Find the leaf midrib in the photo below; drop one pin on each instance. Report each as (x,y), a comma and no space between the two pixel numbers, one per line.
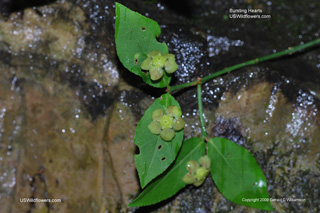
(222,156)
(178,165)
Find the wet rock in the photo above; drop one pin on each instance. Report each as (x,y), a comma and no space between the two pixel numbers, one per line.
(55,41)
(56,151)
(68,109)
(57,100)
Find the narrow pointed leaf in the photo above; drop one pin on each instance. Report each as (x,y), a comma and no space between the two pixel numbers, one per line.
(170,182)
(237,174)
(135,37)
(155,155)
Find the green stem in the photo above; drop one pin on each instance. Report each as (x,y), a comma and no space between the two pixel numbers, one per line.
(289,51)
(203,127)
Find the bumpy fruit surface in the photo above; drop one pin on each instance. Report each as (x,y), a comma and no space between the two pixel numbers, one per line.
(174,111)
(201,173)
(192,166)
(166,122)
(205,161)
(171,66)
(154,127)
(153,53)
(189,179)
(178,124)
(196,173)
(167,134)
(146,64)
(155,73)
(157,114)
(158,63)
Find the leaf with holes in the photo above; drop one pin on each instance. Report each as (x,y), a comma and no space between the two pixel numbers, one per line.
(155,154)
(135,37)
(170,182)
(237,174)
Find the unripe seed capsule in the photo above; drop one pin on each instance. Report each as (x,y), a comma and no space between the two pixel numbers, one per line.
(154,53)
(188,179)
(167,134)
(159,61)
(201,173)
(166,122)
(192,166)
(168,55)
(171,66)
(198,183)
(205,161)
(146,64)
(154,127)
(155,73)
(178,124)
(174,111)
(157,114)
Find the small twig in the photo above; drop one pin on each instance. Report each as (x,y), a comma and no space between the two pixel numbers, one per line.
(289,51)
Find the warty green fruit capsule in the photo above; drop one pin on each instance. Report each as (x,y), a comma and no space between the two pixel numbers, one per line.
(174,111)
(155,73)
(192,166)
(157,114)
(159,61)
(154,127)
(167,134)
(168,55)
(178,124)
(171,66)
(201,173)
(146,64)
(189,178)
(166,122)
(153,53)
(205,161)
(198,183)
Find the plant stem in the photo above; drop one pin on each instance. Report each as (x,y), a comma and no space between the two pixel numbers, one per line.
(289,51)
(203,127)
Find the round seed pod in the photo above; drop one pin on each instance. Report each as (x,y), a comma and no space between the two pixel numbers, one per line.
(168,55)
(159,61)
(155,73)
(201,173)
(153,53)
(157,114)
(146,64)
(192,166)
(167,134)
(166,122)
(188,178)
(171,66)
(154,127)
(174,111)
(198,183)
(205,161)
(178,124)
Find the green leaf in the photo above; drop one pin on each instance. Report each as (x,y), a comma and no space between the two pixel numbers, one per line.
(237,174)
(135,37)
(155,154)
(170,182)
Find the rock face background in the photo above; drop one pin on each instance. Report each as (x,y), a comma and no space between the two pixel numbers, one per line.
(68,109)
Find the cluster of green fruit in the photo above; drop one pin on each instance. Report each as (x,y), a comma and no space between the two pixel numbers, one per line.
(196,173)
(158,63)
(166,123)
